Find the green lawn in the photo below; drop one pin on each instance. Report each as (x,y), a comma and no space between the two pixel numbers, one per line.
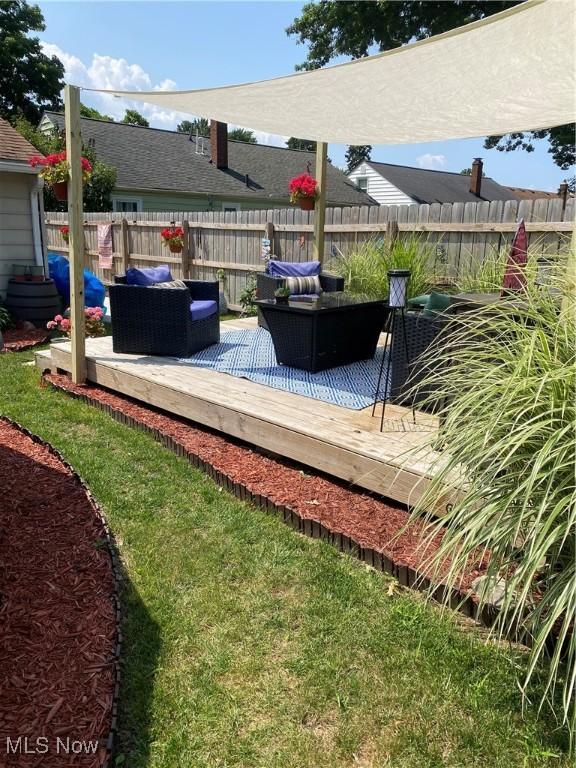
(247,645)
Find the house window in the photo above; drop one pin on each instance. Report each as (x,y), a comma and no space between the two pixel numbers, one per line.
(126,204)
(362,183)
(230,207)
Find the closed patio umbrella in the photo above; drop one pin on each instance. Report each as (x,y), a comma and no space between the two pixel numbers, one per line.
(515,275)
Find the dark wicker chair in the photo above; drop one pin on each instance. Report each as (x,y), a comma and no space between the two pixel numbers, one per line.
(266,285)
(157,321)
(422,334)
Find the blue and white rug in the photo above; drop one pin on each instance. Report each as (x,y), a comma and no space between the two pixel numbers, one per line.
(249,354)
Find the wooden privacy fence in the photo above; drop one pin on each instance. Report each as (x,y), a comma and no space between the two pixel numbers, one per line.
(459,233)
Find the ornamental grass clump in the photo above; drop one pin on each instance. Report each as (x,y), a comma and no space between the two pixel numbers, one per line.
(365,267)
(508,375)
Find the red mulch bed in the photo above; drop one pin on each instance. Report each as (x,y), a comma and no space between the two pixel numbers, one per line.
(58,632)
(371,522)
(17,340)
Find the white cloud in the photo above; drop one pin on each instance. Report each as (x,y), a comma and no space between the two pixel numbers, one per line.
(118,75)
(432,162)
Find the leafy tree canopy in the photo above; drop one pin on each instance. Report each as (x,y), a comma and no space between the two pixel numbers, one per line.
(97,193)
(360,27)
(94,114)
(332,28)
(242,134)
(30,81)
(200,124)
(468,172)
(306,144)
(356,154)
(561,139)
(133,117)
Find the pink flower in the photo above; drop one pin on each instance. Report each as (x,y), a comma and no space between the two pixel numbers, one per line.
(58,319)
(65,324)
(51,325)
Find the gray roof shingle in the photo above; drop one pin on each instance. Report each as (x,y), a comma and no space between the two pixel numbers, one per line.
(427,186)
(152,158)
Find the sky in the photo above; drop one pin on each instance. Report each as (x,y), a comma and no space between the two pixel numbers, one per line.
(186,45)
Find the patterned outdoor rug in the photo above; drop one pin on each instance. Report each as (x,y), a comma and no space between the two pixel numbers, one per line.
(250,355)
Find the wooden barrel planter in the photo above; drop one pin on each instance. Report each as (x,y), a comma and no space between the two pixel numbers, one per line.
(36,302)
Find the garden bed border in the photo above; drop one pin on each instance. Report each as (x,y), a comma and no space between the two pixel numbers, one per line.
(116,576)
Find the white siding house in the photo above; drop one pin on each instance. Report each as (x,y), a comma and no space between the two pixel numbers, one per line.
(21,208)
(390,184)
(379,188)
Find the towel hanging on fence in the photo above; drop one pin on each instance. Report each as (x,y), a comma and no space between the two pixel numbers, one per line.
(105,246)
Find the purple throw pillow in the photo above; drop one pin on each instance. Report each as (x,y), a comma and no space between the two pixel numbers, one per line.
(148,275)
(293,268)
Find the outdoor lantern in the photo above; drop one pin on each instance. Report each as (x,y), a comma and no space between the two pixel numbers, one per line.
(398,280)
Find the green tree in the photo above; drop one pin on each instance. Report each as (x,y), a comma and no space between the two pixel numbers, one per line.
(330,29)
(186,126)
(561,140)
(93,114)
(305,144)
(97,193)
(133,117)
(242,134)
(200,125)
(30,81)
(468,172)
(356,154)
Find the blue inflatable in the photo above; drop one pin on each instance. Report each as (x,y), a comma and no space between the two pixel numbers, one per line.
(59,271)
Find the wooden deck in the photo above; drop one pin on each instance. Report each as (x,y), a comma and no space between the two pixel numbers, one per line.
(341,442)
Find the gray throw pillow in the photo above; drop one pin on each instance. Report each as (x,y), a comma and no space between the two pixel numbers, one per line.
(170,284)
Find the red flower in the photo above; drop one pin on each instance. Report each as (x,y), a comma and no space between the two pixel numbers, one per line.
(303,186)
(172,233)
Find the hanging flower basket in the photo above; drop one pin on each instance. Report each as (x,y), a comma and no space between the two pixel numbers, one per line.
(307,203)
(173,237)
(56,172)
(60,189)
(65,232)
(303,191)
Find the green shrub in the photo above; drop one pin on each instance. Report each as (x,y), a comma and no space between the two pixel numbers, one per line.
(6,321)
(509,429)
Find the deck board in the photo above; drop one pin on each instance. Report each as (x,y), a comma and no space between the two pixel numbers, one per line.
(345,443)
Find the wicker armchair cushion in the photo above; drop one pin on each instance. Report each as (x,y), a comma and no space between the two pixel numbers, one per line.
(148,275)
(300,285)
(202,309)
(293,268)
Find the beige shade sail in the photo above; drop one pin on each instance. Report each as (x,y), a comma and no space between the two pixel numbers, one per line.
(513,71)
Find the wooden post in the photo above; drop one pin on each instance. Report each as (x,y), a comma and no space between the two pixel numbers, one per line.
(124,252)
(320,209)
(75,219)
(269,233)
(391,233)
(186,251)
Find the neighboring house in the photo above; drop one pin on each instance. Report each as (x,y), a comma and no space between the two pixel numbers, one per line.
(402,185)
(21,214)
(521,193)
(160,170)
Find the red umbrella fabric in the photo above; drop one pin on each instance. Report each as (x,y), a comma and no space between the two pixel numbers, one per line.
(515,275)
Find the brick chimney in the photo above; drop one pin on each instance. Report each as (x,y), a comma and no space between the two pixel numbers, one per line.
(476,176)
(219,144)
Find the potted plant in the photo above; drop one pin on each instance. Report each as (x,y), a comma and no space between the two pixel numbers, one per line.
(173,237)
(282,294)
(92,319)
(56,172)
(65,232)
(304,191)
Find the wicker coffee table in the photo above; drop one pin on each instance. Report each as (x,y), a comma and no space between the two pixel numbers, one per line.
(315,334)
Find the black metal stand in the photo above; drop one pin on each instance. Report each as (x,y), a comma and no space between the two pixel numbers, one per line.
(389,328)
